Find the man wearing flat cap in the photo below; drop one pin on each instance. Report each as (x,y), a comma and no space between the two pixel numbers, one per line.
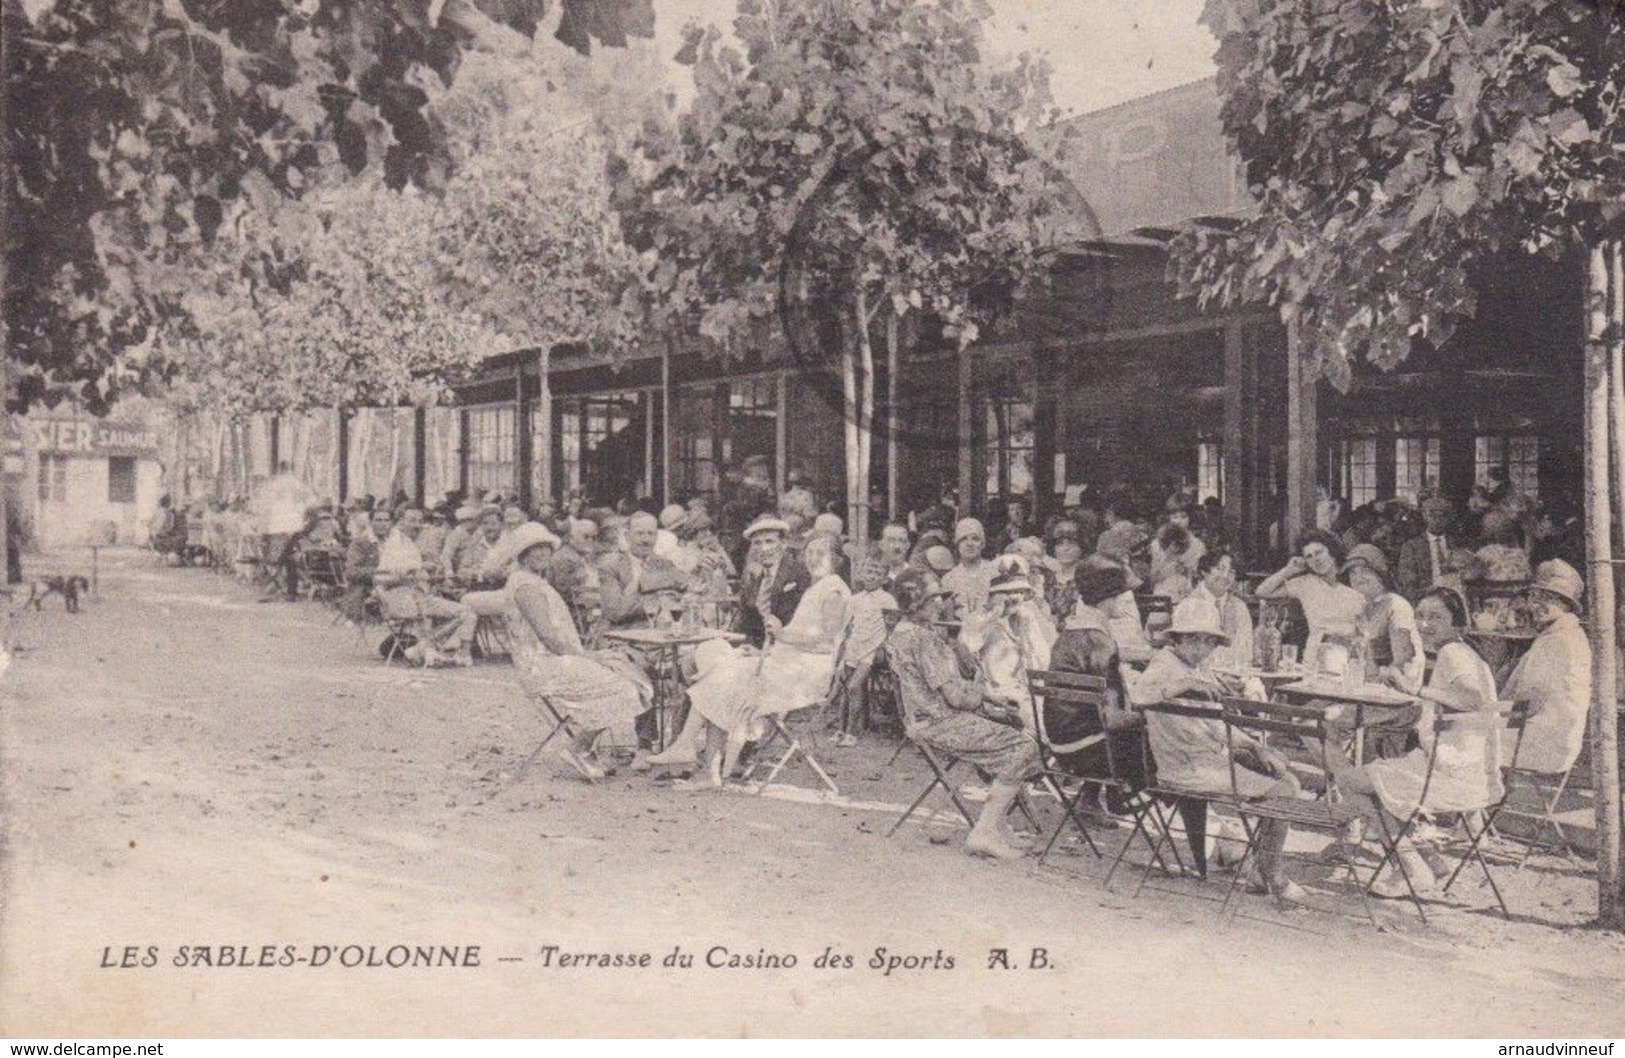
(773,583)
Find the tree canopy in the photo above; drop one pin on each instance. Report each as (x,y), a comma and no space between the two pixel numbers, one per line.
(137,128)
(1393,146)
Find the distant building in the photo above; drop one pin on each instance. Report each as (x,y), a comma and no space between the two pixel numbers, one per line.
(86,480)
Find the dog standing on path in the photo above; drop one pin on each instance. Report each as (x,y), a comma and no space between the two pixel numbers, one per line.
(68,587)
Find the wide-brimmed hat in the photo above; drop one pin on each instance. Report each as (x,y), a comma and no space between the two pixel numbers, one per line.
(1096,581)
(522,539)
(939,558)
(1010,575)
(913,588)
(1198,615)
(1561,579)
(672,515)
(767,524)
(467,512)
(1369,556)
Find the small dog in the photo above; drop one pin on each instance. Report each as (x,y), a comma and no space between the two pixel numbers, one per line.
(68,587)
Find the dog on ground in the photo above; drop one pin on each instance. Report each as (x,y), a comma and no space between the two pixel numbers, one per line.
(68,587)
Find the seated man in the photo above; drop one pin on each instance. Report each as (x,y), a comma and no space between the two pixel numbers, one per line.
(482,569)
(942,709)
(361,563)
(621,573)
(403,586)
(466,528)
(773,583)
(1193,754)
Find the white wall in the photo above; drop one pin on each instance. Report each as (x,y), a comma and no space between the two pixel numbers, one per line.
(74,522)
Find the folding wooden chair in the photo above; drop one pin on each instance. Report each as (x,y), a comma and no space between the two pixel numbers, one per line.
(942,764)
(779,731)
(558,724)
(321,573)
(1087,694)
(1536,796)
(1516,717)
(1159,806)
(1248,721)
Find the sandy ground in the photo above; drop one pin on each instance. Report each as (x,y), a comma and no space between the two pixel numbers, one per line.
(185,769)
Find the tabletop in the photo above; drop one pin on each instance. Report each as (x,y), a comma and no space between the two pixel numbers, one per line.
(1332,689)
(1295,673)
(671,637)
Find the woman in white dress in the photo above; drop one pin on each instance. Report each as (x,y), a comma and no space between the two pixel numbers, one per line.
(1466,767)
(596,693)
(736,688)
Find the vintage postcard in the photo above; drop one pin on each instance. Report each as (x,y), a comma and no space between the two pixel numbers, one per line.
(817,518)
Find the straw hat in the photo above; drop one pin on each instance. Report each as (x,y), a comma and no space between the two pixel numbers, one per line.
(522,539)
(1198,615)
(1561,579)
(767,524)
(672,515)
(1010,575)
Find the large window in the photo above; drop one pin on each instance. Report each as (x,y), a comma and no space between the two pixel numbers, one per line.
(1011,443)
(1416,466)
(1517,454)
(603,445)
(493,448)
(1360,471)
(120,479)
(53,478)
(694,433)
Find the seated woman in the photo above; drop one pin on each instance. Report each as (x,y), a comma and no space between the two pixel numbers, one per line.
(736,687)
(1393,646)
(1310,577)
(1466,773)
(1195,754)
(1086,648)
(1012,638)
(1554,674)
(1106,601)
(1217,584)
(596,693)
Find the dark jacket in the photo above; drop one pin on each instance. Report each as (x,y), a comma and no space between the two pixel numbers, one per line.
(791,580)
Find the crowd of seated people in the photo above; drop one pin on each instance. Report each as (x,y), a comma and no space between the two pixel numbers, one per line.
(959,625)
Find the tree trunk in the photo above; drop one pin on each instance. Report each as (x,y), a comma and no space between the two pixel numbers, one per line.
(364,427)
(1600,573)
(849,422)
(866,421)
(893,325)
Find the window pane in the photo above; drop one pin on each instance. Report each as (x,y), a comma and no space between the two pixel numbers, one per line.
(1360,471)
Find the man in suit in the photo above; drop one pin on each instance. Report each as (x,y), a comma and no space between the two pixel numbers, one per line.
(1425,558)
(622,575)
(773,583)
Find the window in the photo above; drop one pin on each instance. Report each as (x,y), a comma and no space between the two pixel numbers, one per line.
(1416,466)
(1209,471)
(53,478)
(1517,454)
(601,445)
(1011,440)
(492,448)
(1360,471)
(120,479)
(693,428)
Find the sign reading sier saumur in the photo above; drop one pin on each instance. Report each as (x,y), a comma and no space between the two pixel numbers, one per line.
(89,437)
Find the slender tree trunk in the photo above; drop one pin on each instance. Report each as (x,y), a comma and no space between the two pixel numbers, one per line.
(858,525)
(217,460)
(849,422)
(364,421)
(1603,325)
(893,325)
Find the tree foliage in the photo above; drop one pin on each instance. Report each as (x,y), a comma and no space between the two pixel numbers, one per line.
(1392,145)
(138,128)
(356,294)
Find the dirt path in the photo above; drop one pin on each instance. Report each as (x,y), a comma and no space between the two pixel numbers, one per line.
(186,768)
